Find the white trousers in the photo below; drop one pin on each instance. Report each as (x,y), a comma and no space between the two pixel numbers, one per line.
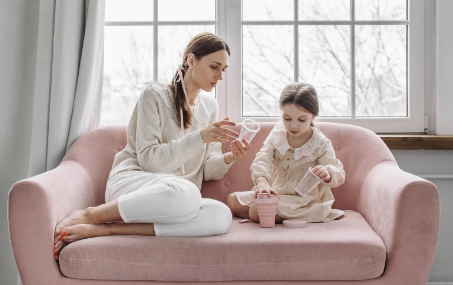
(173,204)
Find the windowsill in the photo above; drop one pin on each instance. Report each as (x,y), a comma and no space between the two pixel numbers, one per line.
(417,142)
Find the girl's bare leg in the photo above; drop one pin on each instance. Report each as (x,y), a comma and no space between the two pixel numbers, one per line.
(237,208)
(245,212)
(82,231)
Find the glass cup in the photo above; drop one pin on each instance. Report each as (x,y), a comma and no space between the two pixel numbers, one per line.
(249,130)
(307,183)
(267,209)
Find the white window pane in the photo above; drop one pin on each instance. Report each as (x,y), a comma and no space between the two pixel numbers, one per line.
(324,62)
(324,10)
(267,10)
(381,10)
(131,10)
(172,43)
(183,10)
(381,59)
(128,66)
(268,66)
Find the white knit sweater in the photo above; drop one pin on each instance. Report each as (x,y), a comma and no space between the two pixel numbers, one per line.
(155,143)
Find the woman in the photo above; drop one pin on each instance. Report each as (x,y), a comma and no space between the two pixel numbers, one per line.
(173,144)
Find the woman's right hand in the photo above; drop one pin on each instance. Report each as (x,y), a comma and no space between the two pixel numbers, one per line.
(216,133)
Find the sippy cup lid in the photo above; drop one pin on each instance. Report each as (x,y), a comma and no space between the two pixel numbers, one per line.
(296,223)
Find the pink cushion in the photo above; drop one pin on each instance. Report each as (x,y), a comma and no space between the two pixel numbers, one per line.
(346,249)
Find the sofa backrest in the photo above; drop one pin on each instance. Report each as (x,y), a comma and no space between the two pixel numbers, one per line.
(357,148)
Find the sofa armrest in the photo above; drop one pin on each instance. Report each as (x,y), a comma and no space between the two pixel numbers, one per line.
(404,210)
(35,207)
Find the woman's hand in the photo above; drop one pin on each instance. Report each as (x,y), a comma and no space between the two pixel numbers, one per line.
(322,173)
(216,133)
(239,149)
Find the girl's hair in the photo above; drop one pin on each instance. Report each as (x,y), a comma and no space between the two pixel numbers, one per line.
(301,94)
(200,45)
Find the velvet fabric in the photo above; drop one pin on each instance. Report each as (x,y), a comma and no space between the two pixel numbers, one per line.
(388,235)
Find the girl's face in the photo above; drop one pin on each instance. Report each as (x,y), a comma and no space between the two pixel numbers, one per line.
(296,119)
(207,71)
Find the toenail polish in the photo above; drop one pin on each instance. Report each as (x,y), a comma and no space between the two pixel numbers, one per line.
(55,252)
(64,233)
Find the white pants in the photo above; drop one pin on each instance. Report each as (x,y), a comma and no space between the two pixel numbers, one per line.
(173,204)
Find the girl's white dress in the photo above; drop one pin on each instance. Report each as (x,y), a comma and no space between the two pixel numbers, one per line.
(284,166)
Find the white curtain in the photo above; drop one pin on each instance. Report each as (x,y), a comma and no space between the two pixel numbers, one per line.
(51,70)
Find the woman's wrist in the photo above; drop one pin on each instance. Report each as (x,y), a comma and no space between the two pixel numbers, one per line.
(228,158)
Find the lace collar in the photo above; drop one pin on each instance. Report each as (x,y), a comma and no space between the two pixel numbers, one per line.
(282,145)
(201,112)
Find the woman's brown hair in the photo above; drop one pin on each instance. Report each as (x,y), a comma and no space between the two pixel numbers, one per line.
(301,94)
(200,45)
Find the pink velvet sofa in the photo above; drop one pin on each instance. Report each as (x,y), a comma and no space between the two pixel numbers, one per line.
(388,235)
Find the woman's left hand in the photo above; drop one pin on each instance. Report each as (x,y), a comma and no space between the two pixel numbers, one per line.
(322,173)
(239,149)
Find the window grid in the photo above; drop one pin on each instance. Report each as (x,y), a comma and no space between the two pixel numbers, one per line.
(352,23)
(228,24)
(156,23)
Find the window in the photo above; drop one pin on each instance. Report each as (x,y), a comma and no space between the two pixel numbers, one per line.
(364,57)
(144,41)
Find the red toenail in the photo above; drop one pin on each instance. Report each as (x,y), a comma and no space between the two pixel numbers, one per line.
(64,233)
(61,238)
(55,252)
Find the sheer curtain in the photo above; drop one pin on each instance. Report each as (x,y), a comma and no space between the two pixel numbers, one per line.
(51,81)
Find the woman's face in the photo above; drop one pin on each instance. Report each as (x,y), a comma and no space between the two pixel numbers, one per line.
(296,119)
(207,71)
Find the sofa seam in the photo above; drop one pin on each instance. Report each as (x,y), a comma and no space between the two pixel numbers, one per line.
(223,265)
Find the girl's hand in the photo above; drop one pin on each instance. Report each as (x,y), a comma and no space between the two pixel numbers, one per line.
(264,190)
(322,173)
(239,149)
(216,133)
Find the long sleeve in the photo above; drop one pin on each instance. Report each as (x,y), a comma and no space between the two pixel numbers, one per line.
(263,165)
(328,159)
(152,154)
(215,167)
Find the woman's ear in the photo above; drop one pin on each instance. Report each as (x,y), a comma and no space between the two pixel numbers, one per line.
(190,59)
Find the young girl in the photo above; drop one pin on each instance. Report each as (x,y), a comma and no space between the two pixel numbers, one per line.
(293,145)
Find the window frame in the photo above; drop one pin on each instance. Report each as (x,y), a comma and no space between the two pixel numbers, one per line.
(229,93)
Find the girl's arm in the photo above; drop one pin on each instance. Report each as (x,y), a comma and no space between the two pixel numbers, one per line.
(332,164)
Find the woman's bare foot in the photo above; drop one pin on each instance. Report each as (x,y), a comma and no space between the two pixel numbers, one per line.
(74,233)
(58,246)
(76,217)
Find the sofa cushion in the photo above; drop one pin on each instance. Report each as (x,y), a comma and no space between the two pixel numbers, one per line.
(345,249)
